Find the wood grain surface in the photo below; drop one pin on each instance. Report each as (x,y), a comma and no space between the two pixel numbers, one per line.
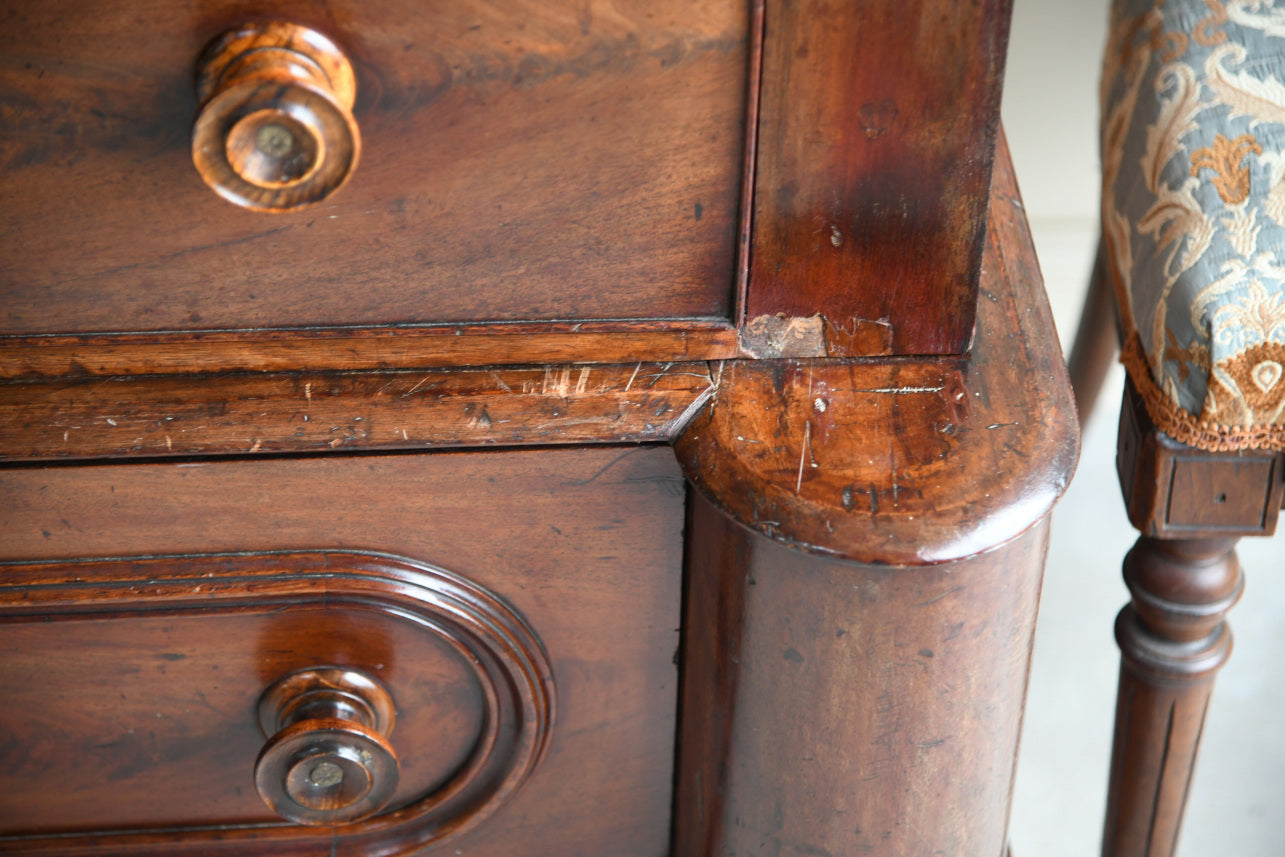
(152,416)
(521,160)
(902,461)
(141,706)
(876,137)
(838,708)
(585,544)
(31,357)
(168,633)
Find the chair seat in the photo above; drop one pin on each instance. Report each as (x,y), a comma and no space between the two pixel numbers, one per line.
(1193,159)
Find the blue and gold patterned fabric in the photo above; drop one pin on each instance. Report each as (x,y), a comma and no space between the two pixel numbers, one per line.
(1193,213)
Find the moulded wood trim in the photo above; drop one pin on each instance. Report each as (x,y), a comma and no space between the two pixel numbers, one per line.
(902,462)
(340,349)
(506,657)
(166,415)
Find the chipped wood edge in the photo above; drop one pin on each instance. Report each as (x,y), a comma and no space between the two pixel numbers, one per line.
(1002,414)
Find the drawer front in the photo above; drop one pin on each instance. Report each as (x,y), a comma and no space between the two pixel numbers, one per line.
(519,160)
(519,610)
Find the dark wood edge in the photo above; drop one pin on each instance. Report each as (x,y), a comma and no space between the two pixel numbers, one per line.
(1096,340)
(902,462)
(170,415)
(753,100)
(877,128)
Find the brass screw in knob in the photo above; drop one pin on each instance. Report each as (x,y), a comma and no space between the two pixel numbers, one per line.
(275,130)
(327,760)
(326,774)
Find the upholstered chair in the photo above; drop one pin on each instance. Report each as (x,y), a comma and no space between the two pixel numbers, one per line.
(1192,262)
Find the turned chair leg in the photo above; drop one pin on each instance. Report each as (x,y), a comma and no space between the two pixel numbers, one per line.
(1173,639)
(1096,341)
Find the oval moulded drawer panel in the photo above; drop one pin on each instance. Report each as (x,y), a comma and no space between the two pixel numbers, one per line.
(529,652)
(518,160)
(134,688)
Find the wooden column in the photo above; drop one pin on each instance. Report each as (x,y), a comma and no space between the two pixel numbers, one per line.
(839,708)
(866,544)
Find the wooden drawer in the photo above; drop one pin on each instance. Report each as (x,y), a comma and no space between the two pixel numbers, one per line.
(520,608)
(520,160)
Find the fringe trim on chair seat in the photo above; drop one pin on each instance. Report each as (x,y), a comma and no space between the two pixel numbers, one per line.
(1185,427)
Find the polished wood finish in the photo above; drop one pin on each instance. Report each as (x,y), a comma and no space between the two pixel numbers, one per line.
(521,161)
(275,131)
(484,695)
(913,676)
(348,412)
(877,131)
(584,550)
(872,542)
(901,462)
(586,544)
(328,760)
(561,214)
(1173,640)
(30,358)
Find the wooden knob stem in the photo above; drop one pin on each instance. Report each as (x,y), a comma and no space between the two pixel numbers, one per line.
(327,760)
(275,130)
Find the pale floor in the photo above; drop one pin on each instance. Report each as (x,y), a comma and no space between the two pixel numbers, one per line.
(1237,805)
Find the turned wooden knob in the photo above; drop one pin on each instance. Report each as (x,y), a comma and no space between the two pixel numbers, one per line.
(327,760)
(275,130)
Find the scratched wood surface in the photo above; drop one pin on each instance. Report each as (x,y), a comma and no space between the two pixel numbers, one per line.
(585,543)
(865,556)
(876,137)
(522,160)
(902,461)
(163,416)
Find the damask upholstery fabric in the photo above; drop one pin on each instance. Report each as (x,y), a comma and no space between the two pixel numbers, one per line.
(1193,213)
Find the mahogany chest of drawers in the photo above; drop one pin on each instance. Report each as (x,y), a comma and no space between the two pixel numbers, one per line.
(513,427)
